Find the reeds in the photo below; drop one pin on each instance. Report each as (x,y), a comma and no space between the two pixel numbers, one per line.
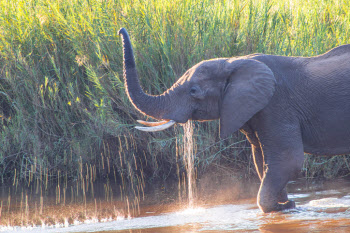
(65,116)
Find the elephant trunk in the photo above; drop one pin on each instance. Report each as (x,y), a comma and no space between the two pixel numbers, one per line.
(154,106)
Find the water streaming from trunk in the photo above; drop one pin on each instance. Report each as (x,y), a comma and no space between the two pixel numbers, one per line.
(188,158)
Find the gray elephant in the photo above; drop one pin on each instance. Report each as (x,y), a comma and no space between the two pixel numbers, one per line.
(284,105)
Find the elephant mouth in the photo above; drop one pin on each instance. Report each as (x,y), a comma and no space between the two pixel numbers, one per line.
(155,126)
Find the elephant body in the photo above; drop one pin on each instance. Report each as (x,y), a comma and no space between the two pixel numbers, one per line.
(284,105)
(309,112)
(314,96)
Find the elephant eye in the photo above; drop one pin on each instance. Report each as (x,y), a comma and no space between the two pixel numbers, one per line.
(196,92)
(193,90)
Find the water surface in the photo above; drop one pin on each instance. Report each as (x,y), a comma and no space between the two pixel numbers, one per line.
(323,208)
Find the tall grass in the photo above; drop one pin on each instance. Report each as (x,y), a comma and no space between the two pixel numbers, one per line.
(65,116)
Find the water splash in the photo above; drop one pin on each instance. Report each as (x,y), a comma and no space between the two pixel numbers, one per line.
(191,211)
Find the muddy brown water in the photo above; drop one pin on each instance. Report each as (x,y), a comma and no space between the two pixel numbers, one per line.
(320,208)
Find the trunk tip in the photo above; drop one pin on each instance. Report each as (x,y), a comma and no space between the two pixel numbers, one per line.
(122,31)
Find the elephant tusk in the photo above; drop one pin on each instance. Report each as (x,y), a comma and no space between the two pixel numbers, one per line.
(156,128)
(152,123)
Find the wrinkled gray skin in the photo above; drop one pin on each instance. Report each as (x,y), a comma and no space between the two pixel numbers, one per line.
(284,105)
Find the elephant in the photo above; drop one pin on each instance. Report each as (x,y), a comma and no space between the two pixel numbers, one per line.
(286,106)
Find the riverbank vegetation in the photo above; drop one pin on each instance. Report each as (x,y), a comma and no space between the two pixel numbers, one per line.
(65,117)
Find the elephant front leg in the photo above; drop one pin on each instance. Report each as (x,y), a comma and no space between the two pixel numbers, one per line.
(259,165)
(272,195)
(282,163)
(283,196)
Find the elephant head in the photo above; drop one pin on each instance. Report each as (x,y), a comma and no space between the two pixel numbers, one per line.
(230,89)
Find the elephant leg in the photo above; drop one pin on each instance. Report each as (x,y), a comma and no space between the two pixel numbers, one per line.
(283,196)
(256,151)
(259,165)
(258,161)
(284,157)
(269,196)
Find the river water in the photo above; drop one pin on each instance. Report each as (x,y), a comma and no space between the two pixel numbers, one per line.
(320,208)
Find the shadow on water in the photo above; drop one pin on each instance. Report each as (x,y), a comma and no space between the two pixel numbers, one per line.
(321,208)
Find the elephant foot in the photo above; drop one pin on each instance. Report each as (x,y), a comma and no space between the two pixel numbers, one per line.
(278,207)
(287,205)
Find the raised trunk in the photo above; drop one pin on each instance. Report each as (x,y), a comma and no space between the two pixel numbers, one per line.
(150,105)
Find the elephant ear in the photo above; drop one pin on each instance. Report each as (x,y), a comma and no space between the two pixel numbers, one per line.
(249,88)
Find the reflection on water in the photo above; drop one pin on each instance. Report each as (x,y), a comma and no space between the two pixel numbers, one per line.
(320,211)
